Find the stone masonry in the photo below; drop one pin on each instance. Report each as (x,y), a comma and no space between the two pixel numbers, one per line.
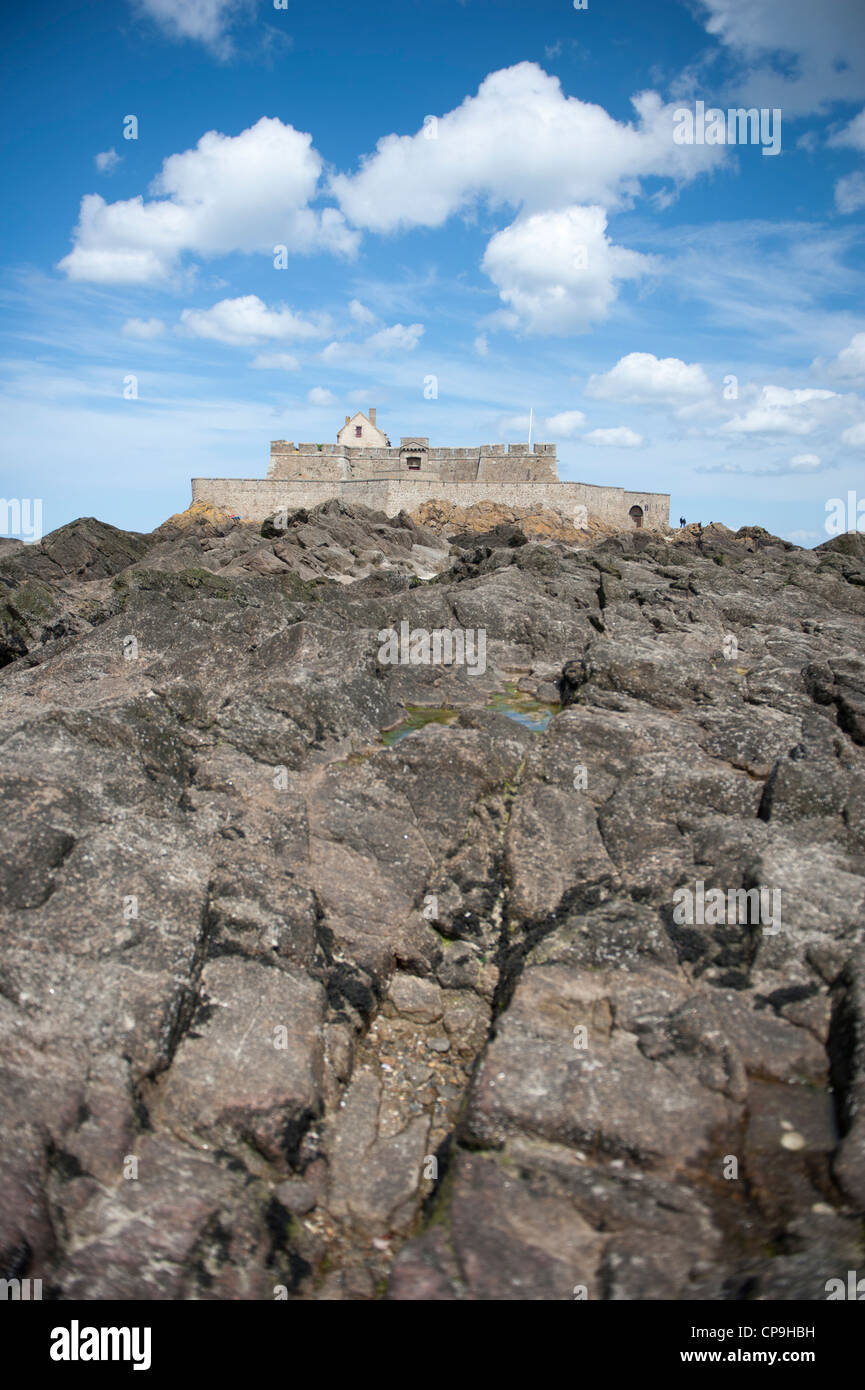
(395,478)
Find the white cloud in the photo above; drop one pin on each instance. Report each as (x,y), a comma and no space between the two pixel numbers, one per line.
(850,192)
(482,346)
(564,425)
(784,397)
(758,421)
(557,271)
(360,313)
(248,320)
(855,435)
(248,193)
(640,376)
(799,465)
(619,436)
(398,337)
(849,365)
(275,361)
(852,135)
(143,328)
(520,142)
(203,21)
(107,161)
(824,40)
(780,410)
(319,395)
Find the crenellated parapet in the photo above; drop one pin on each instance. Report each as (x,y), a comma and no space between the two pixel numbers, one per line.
(505,463)
(363,466)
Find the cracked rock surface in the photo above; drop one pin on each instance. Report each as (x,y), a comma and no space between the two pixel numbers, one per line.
(291,1006)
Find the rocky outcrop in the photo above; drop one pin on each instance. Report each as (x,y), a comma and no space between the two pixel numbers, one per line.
(322,977)
(449,519)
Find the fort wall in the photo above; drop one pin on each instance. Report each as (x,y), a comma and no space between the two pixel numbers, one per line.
(364,467)
(254,499)
(413,458)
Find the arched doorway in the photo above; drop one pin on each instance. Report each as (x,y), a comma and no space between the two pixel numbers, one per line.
(636,515)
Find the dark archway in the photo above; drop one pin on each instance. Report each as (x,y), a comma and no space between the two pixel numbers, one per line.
(636,515)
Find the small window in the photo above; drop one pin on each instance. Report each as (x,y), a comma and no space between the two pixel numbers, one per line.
(358,431)
(413,462)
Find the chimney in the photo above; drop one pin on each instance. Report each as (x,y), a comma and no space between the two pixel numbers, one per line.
(347,418)
(372,415)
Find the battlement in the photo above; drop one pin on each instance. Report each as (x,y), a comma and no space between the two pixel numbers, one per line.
(505,463)
(364,466)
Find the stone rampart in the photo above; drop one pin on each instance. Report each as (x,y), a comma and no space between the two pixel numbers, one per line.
(256,498)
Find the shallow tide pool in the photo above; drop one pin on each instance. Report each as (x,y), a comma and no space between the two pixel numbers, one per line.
(515,704)
(418,718)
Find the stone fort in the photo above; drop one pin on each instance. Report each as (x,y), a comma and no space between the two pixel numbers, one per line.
(363,466)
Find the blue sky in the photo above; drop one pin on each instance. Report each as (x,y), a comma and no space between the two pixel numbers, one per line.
(487,193)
